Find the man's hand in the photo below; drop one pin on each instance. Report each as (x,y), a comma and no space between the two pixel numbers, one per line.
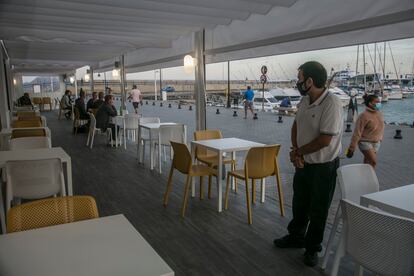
(296,159)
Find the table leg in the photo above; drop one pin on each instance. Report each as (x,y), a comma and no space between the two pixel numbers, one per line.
(159,152)
(233,179)
(116,133)
(69,177)
(151,151)
(139,146)
(192,183)
(220,182)
(263,182)
(2,213)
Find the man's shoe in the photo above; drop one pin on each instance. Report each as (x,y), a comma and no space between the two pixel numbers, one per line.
(289,242)
(311,258)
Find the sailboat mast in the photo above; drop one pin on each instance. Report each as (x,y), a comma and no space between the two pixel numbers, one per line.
(356,67)
(395,67)
(365,75)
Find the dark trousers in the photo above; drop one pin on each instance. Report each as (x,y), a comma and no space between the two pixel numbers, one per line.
(313,189)
(112,127)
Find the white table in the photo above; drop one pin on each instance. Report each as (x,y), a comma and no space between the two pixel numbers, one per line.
(153,129)
(118,120)
(106,246)
(398,201)
(221,146)
(6,133)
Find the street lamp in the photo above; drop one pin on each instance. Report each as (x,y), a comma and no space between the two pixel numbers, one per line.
(87,75)
(115,72)
(189,64)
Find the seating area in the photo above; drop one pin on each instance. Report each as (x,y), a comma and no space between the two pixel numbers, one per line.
(178,137)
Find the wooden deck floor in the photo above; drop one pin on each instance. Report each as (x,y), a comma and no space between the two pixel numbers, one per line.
(205,242)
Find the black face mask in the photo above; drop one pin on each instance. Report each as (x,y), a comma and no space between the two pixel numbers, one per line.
(302,91)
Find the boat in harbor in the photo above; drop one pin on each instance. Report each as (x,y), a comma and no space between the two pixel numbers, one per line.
(341,95)
(394,92)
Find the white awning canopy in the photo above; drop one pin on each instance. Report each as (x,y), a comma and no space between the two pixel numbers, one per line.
(59,36)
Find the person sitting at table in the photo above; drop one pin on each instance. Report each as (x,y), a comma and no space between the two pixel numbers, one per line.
(96,104)
(66,103)
(89,104)
(80,105)
(104,113)
(25,100)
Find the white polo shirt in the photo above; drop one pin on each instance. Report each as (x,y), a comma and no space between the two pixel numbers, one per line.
(324,116)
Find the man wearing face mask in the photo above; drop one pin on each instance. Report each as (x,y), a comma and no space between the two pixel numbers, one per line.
(316,143)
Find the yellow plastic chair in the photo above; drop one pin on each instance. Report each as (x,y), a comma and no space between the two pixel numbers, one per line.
(26,114)
(208,157)
(26,123)
(78,122)
(38,101)
(51,211)
(48,101)
(260,162)
(182,162)
(21,132)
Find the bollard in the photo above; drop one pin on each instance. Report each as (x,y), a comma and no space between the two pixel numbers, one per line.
(280,119)
(169,105)
(412,124)
(398,134)
(142,103)
(153,103)
(179,106)
(255,116)
(348,128)
(218,111)
(234,113)
(146,102)
(160,104)
(190,108)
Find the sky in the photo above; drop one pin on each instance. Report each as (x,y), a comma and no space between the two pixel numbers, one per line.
(285,66)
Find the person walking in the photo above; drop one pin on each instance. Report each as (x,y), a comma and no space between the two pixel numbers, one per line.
(136,97)
(248,101)
(369,130)
(316,143)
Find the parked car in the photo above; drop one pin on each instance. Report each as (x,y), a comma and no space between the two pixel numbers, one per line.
(168,89)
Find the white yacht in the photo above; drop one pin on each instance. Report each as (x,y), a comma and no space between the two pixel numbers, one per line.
(292,93)
(394,92)
(341,95)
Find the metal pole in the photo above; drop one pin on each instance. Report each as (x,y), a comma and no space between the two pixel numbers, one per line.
(228,84)
(263,97)
(91,80)
(161,84)
(356,67)
(200,84)
(51,84)
(76,86)
(155,85)
(122,75)
(105,82)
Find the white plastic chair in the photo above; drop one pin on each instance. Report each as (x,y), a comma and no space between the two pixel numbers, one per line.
(34,179)
(93,130)
(354,180)
(377,241)
(145,136)
(30,143)
(167,133)
(131,125)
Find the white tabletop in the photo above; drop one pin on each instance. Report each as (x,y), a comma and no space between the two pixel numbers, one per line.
(156,125)
(398,201)
(227,144)
(106,246)
(33,154)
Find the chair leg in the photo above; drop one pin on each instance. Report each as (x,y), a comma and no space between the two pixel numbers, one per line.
(87,141)
(93,136)
(279,190)
(331,238)
(186,189)
(201,188)
(226,201)
(263,190)
(340,252)
(249,208)
(233,167)
(209,186)
(253,191)
(169,185)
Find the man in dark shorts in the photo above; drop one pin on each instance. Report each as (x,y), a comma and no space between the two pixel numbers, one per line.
(248,101)
(136,96)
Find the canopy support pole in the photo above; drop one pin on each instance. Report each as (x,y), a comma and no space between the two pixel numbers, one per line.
(122,76)
(228,84)
(200,84)
(91,80)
